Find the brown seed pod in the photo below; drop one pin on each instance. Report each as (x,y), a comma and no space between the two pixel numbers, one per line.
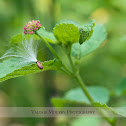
(39,64)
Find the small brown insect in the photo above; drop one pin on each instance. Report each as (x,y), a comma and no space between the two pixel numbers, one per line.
(39,64)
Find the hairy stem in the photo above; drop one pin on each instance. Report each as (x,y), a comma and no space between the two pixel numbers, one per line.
(55,54)
(83,87)
(70,59)
(77,77)
(66,72)
(48,45)
(69,56)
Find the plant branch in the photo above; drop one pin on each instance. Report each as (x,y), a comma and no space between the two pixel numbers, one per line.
(70,59)
(68,53)
(83,87)
(54,52)
(76,75)
(48,45)
(66,72)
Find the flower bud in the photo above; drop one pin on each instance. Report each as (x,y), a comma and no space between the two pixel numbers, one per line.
(32,26)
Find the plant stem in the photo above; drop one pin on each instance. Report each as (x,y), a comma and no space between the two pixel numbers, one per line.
(69,56)
(83,87)
(48,45)
(54,52)
(66,72)
(77,77)
(70,59)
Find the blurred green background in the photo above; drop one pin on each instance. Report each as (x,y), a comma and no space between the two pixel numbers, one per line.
(106,66)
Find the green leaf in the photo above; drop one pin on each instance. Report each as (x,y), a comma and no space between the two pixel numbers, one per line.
(120,110)
(99,94)
(62,102)
(97,38)
(108,111)
(48,36)
(17,39)
(70,22)
(90,25)
(86,121)
(76,97)
(121,88)
(83,35)
(15,67)
(98,104)
(86,31)
(66,32)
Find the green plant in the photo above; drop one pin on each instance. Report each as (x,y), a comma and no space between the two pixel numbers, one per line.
(76,40)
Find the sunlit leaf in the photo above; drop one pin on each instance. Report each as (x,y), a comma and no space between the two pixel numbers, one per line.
(66,32)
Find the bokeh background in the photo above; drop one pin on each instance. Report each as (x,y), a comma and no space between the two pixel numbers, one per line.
(106,66)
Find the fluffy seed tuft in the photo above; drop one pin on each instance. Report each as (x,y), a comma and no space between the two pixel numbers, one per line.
(27,50)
